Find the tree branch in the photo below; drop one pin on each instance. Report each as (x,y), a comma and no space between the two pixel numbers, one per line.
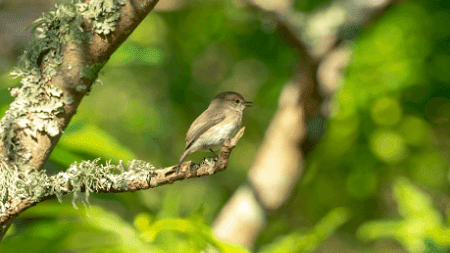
(88,177)
(70,46)
(371,17)
(279,160)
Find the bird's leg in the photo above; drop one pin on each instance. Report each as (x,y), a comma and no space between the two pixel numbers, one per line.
(215,157)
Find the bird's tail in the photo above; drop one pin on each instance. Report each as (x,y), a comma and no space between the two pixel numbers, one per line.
(183,156)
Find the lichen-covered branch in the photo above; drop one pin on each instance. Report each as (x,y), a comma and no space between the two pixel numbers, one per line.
(32,187)
(69,46)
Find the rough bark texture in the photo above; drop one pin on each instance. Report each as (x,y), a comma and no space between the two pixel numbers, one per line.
(76,56)
(68,78)
(153,178)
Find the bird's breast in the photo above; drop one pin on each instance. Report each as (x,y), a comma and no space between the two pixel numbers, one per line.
(216,135)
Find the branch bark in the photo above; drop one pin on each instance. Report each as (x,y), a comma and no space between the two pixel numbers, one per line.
(25,139)
(278,164)
(139,178)
(76,56)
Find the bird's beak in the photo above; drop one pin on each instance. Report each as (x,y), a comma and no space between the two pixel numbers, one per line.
(248,104)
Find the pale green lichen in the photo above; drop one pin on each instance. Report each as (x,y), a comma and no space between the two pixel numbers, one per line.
(81,88)
(90,175)
(91,71)
(53,60)
(103,14)
(63,24)
(37,104)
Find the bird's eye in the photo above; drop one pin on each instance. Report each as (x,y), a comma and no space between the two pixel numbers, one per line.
(237,101)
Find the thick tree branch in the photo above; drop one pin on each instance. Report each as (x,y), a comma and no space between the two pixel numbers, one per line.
(278,163)
(306,72)
(71,44)
(371,17)
(64,73)
(92,177)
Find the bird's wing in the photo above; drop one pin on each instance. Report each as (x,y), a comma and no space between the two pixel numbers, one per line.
(209,118)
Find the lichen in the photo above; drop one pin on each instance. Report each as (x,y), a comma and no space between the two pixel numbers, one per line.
(37,104)
(88,175)
(103,14)
(91,71)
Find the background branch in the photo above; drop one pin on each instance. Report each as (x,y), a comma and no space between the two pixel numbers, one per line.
(367,95)
(278,164)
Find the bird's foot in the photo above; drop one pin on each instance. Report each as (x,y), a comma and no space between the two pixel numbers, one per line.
(213,152)
(210,159)
(213,158)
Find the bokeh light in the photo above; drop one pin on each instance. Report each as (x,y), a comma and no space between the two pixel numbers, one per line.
(388,146)
(376,181)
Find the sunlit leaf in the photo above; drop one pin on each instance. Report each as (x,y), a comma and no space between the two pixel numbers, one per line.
(95,142)
(300,242)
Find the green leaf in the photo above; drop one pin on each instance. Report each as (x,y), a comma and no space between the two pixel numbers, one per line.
(197,232)
(299,242)
(127,238)
(64,156)
(95,142)
(420,220)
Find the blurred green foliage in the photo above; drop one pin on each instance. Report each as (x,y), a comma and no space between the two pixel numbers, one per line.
(421,221)
(387,137)
(199,235)
(308,242)
(388,121)
(310,5)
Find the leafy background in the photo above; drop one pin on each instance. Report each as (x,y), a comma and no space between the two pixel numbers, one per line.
(378,180)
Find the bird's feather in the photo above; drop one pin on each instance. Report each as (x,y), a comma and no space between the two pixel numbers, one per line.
(211,118)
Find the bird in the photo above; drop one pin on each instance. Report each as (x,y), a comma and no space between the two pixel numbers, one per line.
(220,120)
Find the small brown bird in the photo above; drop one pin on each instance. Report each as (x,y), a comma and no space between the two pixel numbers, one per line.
(221,120)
